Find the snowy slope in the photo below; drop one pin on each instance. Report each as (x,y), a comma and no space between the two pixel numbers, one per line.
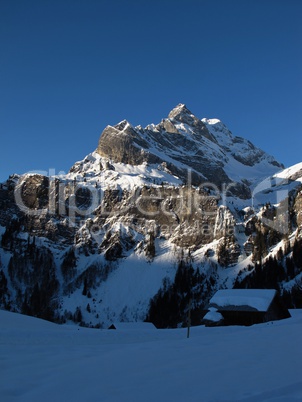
(119,175)
(243,159)
(276,187)
(43,361)
(126,293)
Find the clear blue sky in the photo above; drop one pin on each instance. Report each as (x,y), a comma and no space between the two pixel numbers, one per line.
(70,67)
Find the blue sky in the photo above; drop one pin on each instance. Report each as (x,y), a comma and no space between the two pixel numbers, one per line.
(69,68)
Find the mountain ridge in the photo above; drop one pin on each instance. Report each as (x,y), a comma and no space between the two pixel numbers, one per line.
(185,142)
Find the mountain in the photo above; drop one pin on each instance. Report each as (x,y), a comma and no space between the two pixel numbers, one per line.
(152,218)
(181,142)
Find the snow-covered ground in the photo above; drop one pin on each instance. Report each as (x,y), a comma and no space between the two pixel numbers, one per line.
(41,361)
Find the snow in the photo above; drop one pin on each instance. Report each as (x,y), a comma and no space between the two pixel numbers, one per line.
(276,188)
(260,299)
(124,176)
(48,362)
(242,147)
(211,121)
(133,326)
(213,315)
(292,170)
(125,294)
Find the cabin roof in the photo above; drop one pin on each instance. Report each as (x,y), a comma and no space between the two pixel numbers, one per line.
(243,299)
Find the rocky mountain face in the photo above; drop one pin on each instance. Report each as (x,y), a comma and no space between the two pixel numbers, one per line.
(153,218)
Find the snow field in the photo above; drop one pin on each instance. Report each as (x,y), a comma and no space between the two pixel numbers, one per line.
(45,361)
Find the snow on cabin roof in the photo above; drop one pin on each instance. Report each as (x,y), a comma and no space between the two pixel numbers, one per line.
(228,299)
(132,326)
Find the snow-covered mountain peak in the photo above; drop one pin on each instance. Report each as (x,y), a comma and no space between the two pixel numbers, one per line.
(179,111)
(122,125)
(183,142)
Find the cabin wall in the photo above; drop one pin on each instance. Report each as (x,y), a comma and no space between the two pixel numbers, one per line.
(276,311)
(242,317)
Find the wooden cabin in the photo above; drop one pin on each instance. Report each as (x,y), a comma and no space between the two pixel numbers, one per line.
(244,307)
